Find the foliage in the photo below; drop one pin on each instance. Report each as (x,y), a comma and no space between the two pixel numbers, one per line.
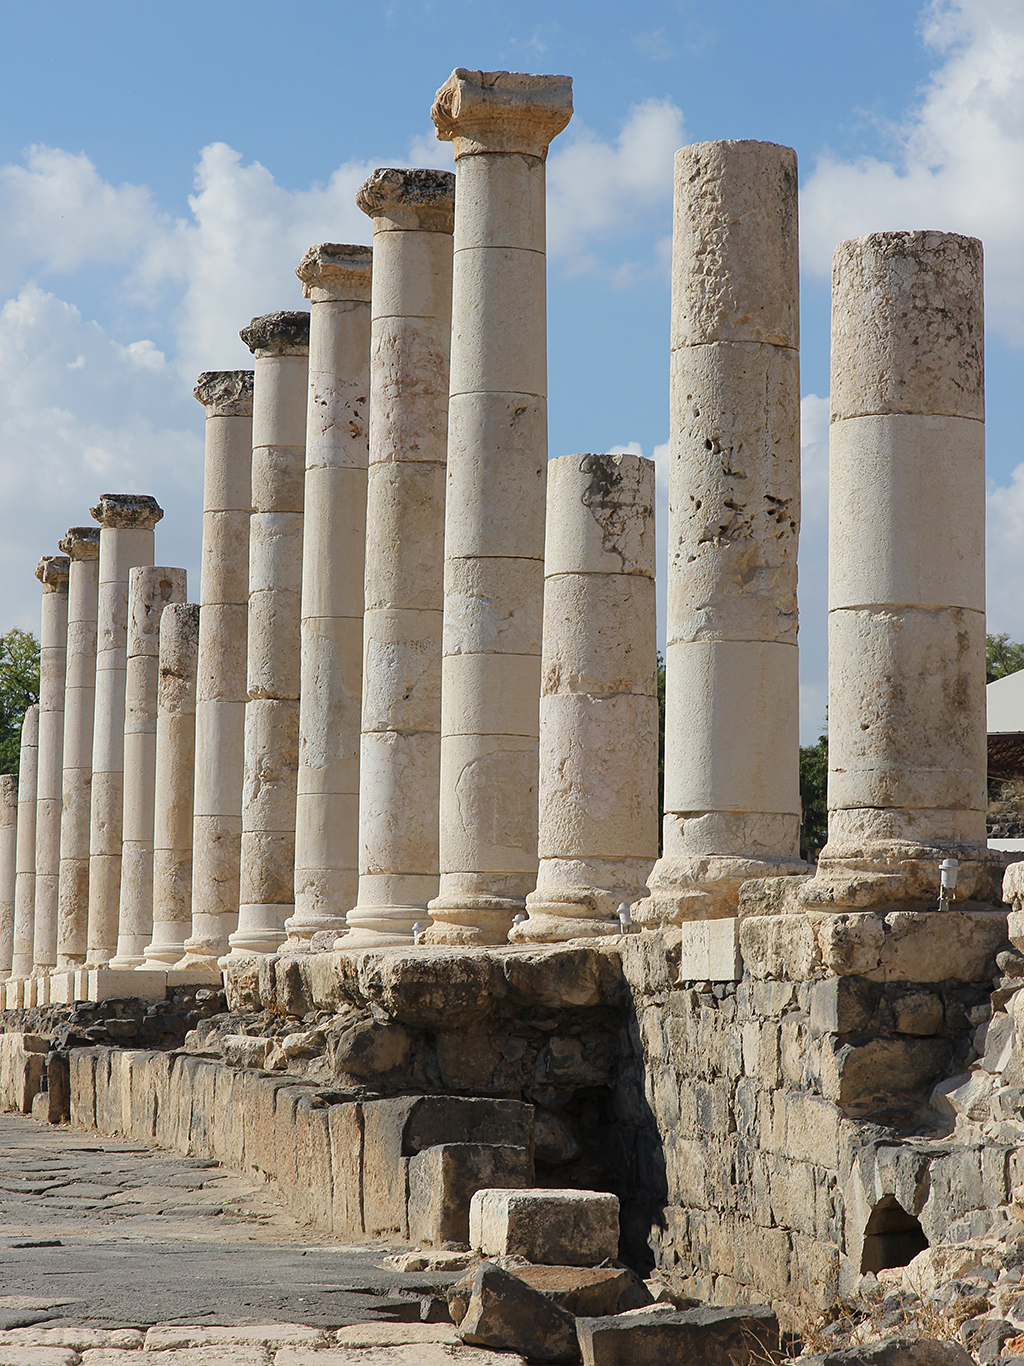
(1002,656)
(19,689)
(813,795)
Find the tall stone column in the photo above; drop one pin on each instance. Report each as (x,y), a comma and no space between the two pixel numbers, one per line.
(400,753)
(175,778)
(500,124)
(52,573)
(23,936)
(82,546)
(732,798)
(906,720)
(126,541)
(151,588)
(336,279)
(221,692)
(599,704)
(280,343)
(8,868)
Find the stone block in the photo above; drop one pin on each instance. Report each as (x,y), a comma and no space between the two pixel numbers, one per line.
(62,988)
(285,1139)
(507,1314)
(345,1125)
(82,1067)
(994,1041)
(587,1291)
(14,993)
(882,1073)
(115,984)
(710,951)
(843,1005)
(551,1227)
(894,1352)
(318,1170)
(22,1065)
(729,1336)
(444,1178)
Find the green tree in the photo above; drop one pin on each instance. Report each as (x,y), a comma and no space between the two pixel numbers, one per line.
(1002,656)
(19,688)
(813,795)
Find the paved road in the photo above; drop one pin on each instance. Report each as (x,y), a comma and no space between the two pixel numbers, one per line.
(105,1233)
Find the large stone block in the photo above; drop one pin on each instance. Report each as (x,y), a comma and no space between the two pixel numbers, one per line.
(552,1227)
(506,1313)
(730,1336)
(345,1124)
(884,1073)
(444,1178)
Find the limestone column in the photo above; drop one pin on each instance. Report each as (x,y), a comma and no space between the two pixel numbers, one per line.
(150,589)
(280,343)
(82,546)
(52,573)
(906,721)
(336,279)
(175,778)
(500,124)
(126,541)
(732,799)
(400,753)
(23,935)
(221,691)
(599,705)
(8,868)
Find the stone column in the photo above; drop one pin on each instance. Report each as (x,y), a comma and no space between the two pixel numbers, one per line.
(150,589)
(501,124)
(906,720)
(82,545)
(175,777)
(732,798)
(52,573)
(25,861)
(280,343)
(126,541)
(599,703)
(337,281)
(8,868)
(221,691)
(400,753)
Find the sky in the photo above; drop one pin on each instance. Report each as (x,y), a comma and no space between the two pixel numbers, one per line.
(163,167)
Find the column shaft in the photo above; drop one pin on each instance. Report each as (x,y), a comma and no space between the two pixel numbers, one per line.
(82,545)
(221,692)
(599,707)
(8,868)
(907,723)
(500,124)
(23,935)
(175,778)
(337,281)
(52,572)
(126,541)
(280,343)
(151,588)
(732,799)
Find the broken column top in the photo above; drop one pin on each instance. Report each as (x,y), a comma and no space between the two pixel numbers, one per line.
(501,111)
(81,542)
(52,572)
(179,652)
(419,200)
(908,325)
(150,588)
(336,270)
(278,334)
(225,393)
(137,511)
(9,797)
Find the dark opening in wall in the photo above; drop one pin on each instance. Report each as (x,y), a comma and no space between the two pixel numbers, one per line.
(892,1238)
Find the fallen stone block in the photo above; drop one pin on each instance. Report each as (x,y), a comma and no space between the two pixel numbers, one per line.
(551,1227)
(438,1260)
(732,1336)
(895,1352)
(508,1315)
(588,1292)
(443,1180)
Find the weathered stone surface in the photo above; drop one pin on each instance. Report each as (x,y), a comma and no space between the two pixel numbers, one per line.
(713,1336)
(553,1227)
(902,1351)
(444,1178)
(505,1313)
(589,1292)
(280,333)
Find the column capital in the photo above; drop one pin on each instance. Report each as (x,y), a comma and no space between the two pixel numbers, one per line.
(501,111)
(134,511)
(81,542)
(52,572)
(225,393)
(278,334)
(336,271)
(419,200)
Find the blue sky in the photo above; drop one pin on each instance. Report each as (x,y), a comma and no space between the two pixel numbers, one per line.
(163,167)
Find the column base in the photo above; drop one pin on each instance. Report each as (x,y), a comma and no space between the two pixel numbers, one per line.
(127,962)
(687,887)
(300,932)
(380,927)
(472,920)
(900,875)
(254,937)
(161,957)
(201,952)
(555,924)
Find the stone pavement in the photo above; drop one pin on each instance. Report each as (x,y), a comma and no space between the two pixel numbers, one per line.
(106,1247)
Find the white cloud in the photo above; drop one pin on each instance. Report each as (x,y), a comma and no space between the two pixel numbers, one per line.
(959,165)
